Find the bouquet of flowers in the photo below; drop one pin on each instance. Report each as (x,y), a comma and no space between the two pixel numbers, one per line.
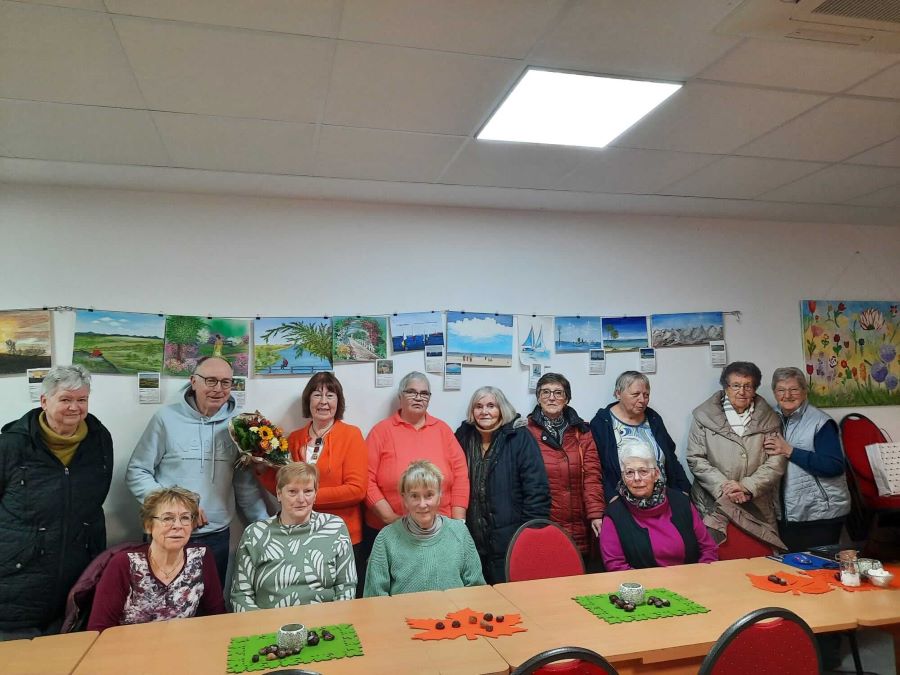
(258,440)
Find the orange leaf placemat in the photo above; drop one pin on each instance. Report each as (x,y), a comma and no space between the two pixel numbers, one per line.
(460,623)
(817,581)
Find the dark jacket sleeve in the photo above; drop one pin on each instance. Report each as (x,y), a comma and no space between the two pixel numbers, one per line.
(676,478)
(533,477)
(828,458)
(601,429)
(110,594)
(212,601)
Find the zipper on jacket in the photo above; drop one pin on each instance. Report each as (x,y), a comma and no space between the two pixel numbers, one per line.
(821,489)
(67,505)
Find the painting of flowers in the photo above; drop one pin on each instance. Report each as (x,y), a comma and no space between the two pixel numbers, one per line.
(359,338)
(851,350)
(190,338)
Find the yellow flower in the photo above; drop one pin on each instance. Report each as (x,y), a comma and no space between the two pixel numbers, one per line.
(265,433)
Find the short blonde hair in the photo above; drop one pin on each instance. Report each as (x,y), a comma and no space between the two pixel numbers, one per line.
(421,473)
(297,471)
(173,495)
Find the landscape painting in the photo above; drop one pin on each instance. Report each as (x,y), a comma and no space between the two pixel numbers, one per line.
(413,331)
(291,345)
(851,350)
(24,340)
(686,329)
(118,343)
(578,334)
(535,335)
(359,338)
(476,339)
(190,338)
(624,333)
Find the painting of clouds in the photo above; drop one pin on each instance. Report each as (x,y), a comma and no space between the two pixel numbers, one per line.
(480,339)
(118,343)
(688,328)
(578,334)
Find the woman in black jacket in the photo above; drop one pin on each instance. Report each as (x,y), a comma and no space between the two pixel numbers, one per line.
(55,469)
(506,474)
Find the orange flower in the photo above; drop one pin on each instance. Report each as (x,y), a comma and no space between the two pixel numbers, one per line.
(264,445)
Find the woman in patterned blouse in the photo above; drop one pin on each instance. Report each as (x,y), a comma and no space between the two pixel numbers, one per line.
(165,579)
(298,557)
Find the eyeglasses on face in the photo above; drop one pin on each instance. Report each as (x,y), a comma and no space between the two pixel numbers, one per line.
(212,382)
(793,391)
(631,474)
(327,395)
(552,393)
(742,387)
(414,394)
(169,519)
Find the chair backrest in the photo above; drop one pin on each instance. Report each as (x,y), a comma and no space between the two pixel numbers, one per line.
(541,549)
(582,662)
(785,646)
(858,431)
(738,544)
(81,595)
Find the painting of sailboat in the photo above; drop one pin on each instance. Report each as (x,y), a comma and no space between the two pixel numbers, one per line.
(538,331)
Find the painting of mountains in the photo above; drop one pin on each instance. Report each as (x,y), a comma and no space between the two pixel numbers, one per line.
(686,329)
(118,343)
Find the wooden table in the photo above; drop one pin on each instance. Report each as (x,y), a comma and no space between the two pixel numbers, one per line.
(50,655)
(199,646)
(672,645)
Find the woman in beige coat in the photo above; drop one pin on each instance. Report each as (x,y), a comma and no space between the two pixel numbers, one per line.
(735,481)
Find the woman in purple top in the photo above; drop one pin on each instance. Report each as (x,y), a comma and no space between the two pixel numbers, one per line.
(165,579)
(648,524)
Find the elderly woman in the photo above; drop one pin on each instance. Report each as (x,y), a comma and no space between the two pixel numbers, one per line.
(736,482)
(407,435)
(56,464)
(298,557)
(814,495)
(165,579)
(648,524)
(506,474)
(571,460)
(424,550)
(631,417)
(338,451)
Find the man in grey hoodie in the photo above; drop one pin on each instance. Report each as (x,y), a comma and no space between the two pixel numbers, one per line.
(187,444)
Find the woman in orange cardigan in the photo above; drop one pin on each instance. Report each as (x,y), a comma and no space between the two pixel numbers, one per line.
(338,451)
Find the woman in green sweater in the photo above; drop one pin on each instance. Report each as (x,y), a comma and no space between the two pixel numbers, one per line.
(298,557)
(423,550)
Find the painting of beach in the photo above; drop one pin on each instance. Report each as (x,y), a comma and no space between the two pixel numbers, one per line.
(24,341)
(534,338)
(687,328)
(477,339)
(118,343)
(295,345)
(359,338)
(624,333)
(413,331)
(578,334)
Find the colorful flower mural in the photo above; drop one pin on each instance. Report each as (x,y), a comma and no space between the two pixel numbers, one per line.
(851,349)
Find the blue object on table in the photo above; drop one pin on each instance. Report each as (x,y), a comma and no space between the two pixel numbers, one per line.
(805,561)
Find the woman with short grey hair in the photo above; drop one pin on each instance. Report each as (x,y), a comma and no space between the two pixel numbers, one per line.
(56,464)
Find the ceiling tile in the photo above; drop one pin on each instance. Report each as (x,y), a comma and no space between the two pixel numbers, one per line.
(55,54)
(714,118)
(345,152)
(835,185)
(885,85)
(307,17)
(832,132)
(632,171)
(233,144)
(79,133)
(795,65)
(489,27)
(887,154)
(889,196)
(741,177)
(638,37)
(224,71)
(414,90)
(520,165)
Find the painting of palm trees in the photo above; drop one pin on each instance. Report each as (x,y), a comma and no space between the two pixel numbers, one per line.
(291,345)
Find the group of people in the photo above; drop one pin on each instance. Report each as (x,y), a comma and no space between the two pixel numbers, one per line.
(411,507)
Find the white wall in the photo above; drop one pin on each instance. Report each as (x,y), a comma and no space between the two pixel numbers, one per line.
(233,256)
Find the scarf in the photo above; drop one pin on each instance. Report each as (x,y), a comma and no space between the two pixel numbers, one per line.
(63,447)
(657,497)
(420,533)
(737,421)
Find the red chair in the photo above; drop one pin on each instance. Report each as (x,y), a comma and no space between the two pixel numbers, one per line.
(541,549)
(579,661)
(753,644)
(738,544)
(858,431)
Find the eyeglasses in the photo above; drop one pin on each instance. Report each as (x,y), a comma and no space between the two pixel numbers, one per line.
(412,393)
(327,395)
(552,393)
(168,520)
(212,382)
(631,474)
(742,387)
(793,391)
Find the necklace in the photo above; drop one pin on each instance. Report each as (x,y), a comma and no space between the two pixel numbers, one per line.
(166,573)
(320,434)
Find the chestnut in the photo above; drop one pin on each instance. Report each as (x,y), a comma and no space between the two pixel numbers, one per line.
(473,619)
(488,617)
(455,624)
(270,657)
(489,628)
(327,636)
(500,618)
(439,625)
(312,640)
(666,603)
(628,607)
(255,658)
(612,598)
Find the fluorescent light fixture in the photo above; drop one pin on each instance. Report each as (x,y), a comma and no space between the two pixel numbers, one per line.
(572,109)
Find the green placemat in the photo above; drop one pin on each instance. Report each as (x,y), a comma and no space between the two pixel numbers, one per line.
(241,650)
(600,606)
